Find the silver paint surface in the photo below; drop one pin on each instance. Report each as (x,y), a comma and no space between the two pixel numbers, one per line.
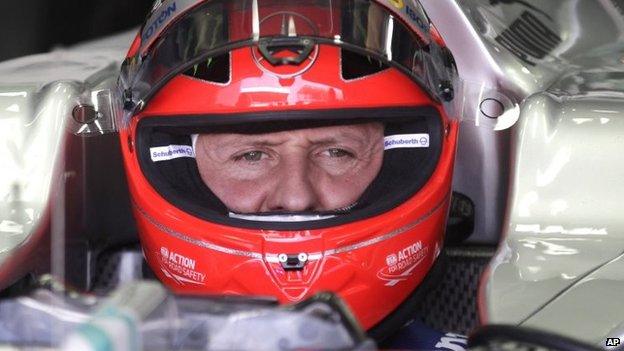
(563,229)
(470,28)
(37,96)
(565,216)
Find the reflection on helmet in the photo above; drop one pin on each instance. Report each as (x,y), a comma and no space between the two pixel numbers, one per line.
(286,148)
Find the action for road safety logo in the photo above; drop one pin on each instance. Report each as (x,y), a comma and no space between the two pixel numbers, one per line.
(179,268)
(401,265)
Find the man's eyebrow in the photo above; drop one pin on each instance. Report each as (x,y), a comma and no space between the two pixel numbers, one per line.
(340,137)
(324,140)
(245,141)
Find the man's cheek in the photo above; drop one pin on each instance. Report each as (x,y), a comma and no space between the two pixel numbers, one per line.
(348,179)
(336,168)
(243,196)
(242,172)
(338,191)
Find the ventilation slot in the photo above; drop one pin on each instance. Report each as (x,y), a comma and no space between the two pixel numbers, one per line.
(357,66)
(215,69)
(529,39)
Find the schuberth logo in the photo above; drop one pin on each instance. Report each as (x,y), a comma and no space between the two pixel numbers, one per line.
(406,141)
(166,153)
(400,265)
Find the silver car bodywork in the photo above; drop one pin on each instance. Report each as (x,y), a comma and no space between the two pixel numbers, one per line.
(559,264)
(563,229)
(550,188)
(520,48)
(37,98)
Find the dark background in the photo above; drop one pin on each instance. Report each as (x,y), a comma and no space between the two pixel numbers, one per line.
(34,26)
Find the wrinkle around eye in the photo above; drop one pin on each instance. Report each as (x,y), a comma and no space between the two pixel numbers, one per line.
(338,166)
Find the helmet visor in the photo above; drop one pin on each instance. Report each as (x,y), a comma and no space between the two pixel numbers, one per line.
(217,26)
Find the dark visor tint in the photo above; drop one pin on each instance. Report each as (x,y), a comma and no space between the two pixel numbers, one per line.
(218,26)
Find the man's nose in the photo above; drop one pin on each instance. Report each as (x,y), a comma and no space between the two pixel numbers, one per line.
(293,190)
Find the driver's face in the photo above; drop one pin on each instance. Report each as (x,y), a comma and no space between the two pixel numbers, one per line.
(316,169)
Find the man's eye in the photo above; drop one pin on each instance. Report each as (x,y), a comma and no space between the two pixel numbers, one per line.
(335,152)
(251,156)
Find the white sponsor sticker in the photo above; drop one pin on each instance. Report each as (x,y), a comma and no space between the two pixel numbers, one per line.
(406,141)
(166,153)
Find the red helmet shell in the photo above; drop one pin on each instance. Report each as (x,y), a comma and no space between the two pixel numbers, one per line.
(374,264)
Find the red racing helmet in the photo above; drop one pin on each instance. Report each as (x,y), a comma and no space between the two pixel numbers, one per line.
(267,66)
